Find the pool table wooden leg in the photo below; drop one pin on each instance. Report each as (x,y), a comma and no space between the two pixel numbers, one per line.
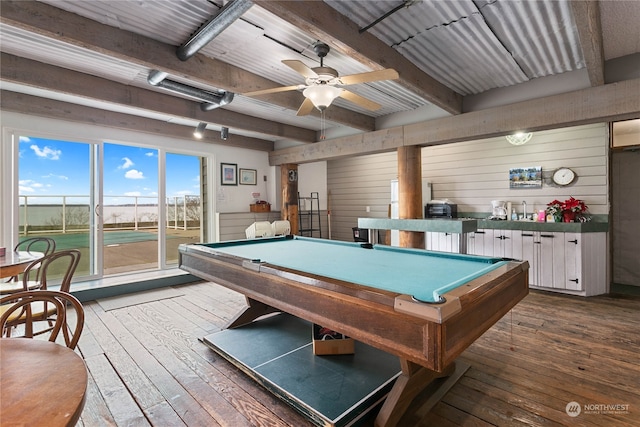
(253,310)
(413,380)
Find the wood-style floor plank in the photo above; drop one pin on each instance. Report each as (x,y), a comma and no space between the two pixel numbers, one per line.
(148,367)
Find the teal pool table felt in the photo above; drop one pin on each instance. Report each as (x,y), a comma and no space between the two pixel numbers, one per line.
(424,275)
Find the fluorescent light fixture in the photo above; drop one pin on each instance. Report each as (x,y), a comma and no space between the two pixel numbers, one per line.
(199,132)
(519,138)
(322,95)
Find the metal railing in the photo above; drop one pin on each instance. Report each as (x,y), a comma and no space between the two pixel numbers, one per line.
(66,213)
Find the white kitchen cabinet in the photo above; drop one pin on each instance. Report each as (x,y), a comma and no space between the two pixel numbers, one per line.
(507,244)
(586,261)
(573,261)
(545,257)
(495,242)
(566,262)
(480,242)
(443,242)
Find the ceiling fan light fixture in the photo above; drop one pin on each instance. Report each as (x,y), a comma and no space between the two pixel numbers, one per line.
(322,95)
(519,138)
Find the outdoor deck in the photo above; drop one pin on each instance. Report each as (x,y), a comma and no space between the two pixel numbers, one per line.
(147,366)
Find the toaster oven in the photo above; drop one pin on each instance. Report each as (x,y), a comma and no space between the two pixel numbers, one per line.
(440,210)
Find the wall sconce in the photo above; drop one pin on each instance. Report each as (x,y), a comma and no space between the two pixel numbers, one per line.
(224,133)
(519,138)
(199,132)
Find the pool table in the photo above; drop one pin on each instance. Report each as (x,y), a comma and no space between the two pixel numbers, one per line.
(424,307)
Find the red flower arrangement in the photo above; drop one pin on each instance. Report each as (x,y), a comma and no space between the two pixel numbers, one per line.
(568,210)
(574,205)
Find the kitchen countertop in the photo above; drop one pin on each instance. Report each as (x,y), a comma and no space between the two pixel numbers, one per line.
(567,227)
(458,225)
(468,225)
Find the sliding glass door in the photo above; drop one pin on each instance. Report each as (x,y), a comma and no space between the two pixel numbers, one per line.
(56,197)
(129,209)
(183,207)
(126,208)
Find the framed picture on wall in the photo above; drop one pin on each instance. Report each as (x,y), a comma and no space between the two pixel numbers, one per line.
(228,174)
(527,177)
(248,176)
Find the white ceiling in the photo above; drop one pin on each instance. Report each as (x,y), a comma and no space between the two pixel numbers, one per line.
(471,48)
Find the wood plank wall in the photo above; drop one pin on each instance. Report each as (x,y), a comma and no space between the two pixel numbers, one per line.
(473,173)
(355,183)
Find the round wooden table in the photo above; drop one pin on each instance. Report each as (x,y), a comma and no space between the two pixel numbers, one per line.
(14,263)
(43,383)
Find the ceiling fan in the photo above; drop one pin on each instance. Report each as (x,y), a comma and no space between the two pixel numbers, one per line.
(324,84)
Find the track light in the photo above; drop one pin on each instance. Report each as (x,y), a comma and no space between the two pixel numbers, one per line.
(224,133)
(199,132)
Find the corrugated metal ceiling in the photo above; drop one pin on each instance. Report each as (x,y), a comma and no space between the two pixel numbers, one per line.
(471,46)
(475,46)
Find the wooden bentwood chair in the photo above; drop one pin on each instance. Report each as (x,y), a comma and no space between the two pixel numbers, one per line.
(35,244)
(61,262)
(53,307)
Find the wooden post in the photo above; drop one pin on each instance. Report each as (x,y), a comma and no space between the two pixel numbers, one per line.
(410,193)
(289,185)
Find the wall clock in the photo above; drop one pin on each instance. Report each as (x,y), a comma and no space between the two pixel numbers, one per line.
(563,176)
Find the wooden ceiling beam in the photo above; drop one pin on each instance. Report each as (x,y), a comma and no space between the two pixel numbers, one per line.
(44,107)
(35,74)
(328,25)
(586,14)
(54,23)
(611,102)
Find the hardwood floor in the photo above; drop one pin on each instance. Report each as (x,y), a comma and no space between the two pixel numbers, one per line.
(147,366)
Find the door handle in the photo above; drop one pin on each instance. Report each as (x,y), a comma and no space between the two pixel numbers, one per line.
(574,280)
(97,210)
(573,241)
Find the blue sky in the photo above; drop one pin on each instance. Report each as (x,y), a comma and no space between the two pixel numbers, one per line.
(50,167)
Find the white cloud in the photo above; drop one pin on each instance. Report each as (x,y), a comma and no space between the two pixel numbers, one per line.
(133,174)
(184,192)
(46,152)
(132,193)
(127,163)
(28,186)
(65,178)
(25,139)
(150,154)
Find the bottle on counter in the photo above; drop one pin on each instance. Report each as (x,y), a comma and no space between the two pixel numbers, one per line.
(514,215)
(541,215)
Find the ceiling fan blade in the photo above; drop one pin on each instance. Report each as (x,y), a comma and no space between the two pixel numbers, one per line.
(300,68)
(306,108)
(372,76)
(273,90)
(359,100)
